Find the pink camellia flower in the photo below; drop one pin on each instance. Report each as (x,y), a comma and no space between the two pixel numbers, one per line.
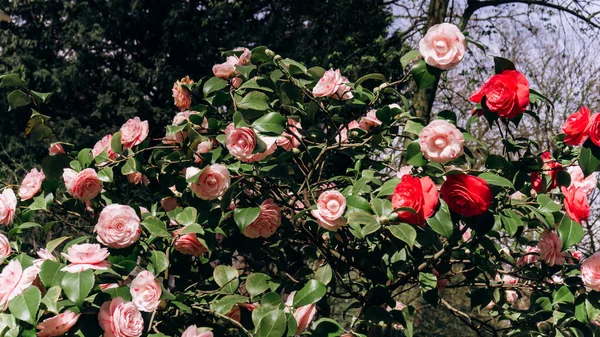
(578,180)
(106,286)
(84,185)
(550,246)
(267,222)
(590,272)
(134,178)
(404,170)
(289,141)
(8,206)
(118,226)
(511,296)
(508,279)
(14,280)
(181,96)
(120,319)
(226,70)
(169,204)
(244,59)
(212,182)
(31,185)
(236,82)
(133,132)
(5,249)
(104,144)
(576,203)
(55,148)
(531,256)
(192,331)
(369,121)
(145,291)
(331,206)
(576,254)
(44,255)
(57,325)
(333,84)
(203,147)
(342,137)
(441,141)
(262,155)
(189,244)
(443,46)
(240,142)
(303,315)
(86,256)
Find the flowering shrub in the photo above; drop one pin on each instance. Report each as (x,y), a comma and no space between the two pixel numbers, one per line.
(274,193)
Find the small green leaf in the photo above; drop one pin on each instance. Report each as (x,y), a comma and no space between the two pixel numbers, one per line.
(388,187)
(12,80)
(424,74)
(115,143)
(77,286)
(496,180)
(374,76)
(155,226)
(254,100)
(272,324)
(18,99)
(501,64)
(225,304)
(213,84)
(273,122)
(51,274)
(414,155)
(129,167)
(159,261)
(106,175)
(311,293)
(245,216)
(547,204)
(324,274)
(187,216)
(257,283)
(589,160)
(407,58)
(570,232)
(563,295)
(25,305)
(382,207)
(50,300)
(413,127)
(122,292)
(441,222)
(511,221)
(404,232)
(227,278)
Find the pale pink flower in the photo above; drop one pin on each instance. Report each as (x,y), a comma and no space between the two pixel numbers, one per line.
(14,280)
(31,185)
(404,170)
(267,222)
(104,144)
(118,226)
(244,59)
(212,182)
(587,184)
(369,121)
(86,256)
(84,185)
(5,249)
(262,155)
(57,325)
(441,141)
(236,82)
(145,291)
(550,246)
(134,178)
(189,244)
(192,331)
(8,206)
(531,256)
(342,137)
(331,206)
(443,46)
(134,132)
(226,70)
(590,272)
(203,147)
(44,255)
(289,141)
(120,319)
(181,96)
(511,296)
(55,148)
(303,315)
(106,286)
(333,84)
(240,142)
(576,254)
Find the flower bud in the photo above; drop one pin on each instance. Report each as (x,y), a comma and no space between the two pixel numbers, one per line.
(269,53)
(277,58)
(384,220)
(296,151)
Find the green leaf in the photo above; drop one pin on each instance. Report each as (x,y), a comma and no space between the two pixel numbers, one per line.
(192,228)
(358,202)
(414,155)
(51,274)
(155,226)
(12,80)
(40,132)
(563,295)
(447,115)
(382,207)
(115,143)
(244,216)
(50,300)
(122,292)
(227,278)
(547,204)
(17,99)
(327,327)
(187,216)
(511,221)
(413,127)
(570,232)
(272,122)
(257,283)
(272,324)
(388,187)
(441,222)
(424,74)
(129,167)
(51,245)
(501,64)
(77,286)
(245,70)
(41,202)
(311,293)
(316,72)
(159,261)
(25,305)
(404,232)
(362,218)
(324,274)
(407,58)
(41,96)
(496,180)
(225,304)
(106,175)
(373,76)
(254,100)
(589,159)
(213,84)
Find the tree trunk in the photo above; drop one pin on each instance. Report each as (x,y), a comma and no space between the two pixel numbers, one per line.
(424,98)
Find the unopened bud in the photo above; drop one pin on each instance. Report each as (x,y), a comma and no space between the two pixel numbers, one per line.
(296,151)
(384,220)
(269,53)
(354,133)
(277,58)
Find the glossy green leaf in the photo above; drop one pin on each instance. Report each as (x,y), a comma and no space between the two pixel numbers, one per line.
(227,278)
(312,292)
(273,122)
(77,286)
(155,226)
(244,216)
(570,231)
(404,232)
(257,283)
(496,180)
(254,100)
(213,84)
(25,305)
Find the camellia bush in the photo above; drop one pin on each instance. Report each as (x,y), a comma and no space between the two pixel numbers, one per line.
(286,200)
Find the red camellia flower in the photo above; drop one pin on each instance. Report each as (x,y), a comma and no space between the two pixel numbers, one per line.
(506,94)
(594,129)
(466,195)
(419,194)
(551,168)
(576,127)
(576,203)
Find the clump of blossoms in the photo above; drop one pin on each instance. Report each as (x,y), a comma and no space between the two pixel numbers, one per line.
(278,189)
